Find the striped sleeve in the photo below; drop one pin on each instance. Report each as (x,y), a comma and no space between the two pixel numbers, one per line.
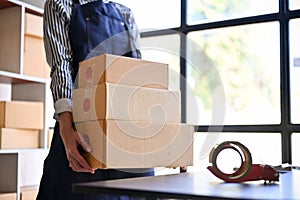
(58,53)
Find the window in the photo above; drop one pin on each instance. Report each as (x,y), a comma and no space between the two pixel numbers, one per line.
(294,4)
(204,11)
(154,14)
(247,60)
(295,69)
(165,49)
(295,148)
(237,64)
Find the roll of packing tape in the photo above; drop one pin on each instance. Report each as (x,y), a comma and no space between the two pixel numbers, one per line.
(244,153)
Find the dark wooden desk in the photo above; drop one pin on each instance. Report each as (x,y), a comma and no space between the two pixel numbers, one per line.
(197,186)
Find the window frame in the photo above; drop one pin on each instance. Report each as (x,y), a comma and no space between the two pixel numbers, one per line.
(285,128)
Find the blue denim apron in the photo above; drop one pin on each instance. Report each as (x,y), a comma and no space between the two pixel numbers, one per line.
(91,24)
(97,28)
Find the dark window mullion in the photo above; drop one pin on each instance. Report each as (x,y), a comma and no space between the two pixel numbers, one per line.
(183,54)
(285,82)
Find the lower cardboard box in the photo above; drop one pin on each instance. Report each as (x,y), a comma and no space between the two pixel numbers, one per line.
(131,144)
(8,196)
(18,138)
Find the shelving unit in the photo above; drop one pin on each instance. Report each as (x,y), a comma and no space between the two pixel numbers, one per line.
(21,167)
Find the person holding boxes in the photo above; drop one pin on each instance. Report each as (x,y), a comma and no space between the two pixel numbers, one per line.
(72,30)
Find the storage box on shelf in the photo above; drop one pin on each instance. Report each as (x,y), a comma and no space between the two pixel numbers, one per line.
(29,192)
(8,196)
(22,114)
(34,55)
(20,124)
(19,138)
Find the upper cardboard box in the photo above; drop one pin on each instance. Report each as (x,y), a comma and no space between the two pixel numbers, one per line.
(33,25)
(123,102)
(22,114)
(122,70)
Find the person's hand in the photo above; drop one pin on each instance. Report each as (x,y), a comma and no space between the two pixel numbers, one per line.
(72,141)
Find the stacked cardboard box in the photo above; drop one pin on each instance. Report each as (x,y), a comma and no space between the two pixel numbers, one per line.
(29,193)
(8,196)
(34,55)
(20,124)
(124,109)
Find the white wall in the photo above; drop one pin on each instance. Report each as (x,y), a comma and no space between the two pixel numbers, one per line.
(38,3)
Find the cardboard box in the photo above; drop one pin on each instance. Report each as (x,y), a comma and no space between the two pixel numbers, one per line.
(29,193)
(129,144)
(22,114)
(122,70)
(36,65)
(8,196)
(33,25)
(112,101)
(33,44)
(19,138)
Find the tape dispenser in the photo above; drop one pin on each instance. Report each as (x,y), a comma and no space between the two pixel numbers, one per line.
(247,171)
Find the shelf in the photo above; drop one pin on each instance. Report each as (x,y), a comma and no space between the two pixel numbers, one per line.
(23,167)
(13,78)
(11,151)
(29,8)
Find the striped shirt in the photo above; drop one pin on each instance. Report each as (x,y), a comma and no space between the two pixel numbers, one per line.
(57,17)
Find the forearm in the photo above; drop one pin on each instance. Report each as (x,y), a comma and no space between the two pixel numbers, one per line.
(59,55)
(65,124)
(62,93)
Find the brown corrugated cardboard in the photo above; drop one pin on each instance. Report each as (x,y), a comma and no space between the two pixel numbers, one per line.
(19,138)
(33,25)
(29,193)
(35,65)
(129,144)
(113,101)
(21,114)
(33,44)
(8,196)
(34,57)
(122,70)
